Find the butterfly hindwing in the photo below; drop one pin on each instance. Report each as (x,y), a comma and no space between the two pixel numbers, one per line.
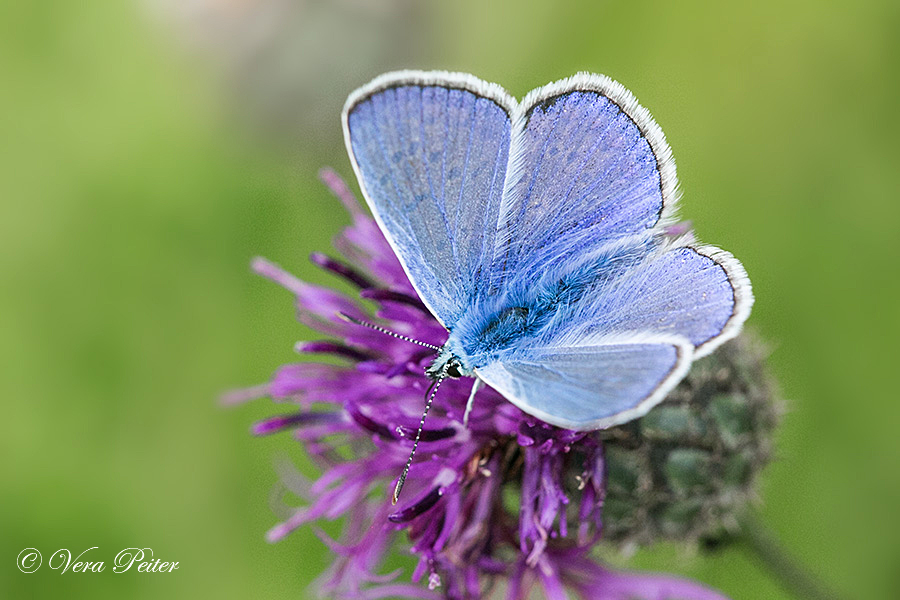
(699,293)
(431,151)
(596,385)
(589,369)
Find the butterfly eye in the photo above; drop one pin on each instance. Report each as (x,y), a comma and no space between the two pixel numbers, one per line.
(453,369)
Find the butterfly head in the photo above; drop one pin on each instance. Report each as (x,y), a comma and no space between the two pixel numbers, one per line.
(448,364)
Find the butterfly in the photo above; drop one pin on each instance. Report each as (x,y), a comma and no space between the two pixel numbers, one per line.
(537,233)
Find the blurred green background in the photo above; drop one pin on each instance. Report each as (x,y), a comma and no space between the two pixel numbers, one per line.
(149,150)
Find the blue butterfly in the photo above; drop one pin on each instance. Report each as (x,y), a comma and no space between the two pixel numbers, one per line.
(535,232)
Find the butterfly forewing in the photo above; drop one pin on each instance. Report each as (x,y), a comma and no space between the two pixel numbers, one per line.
(588,165)
(431,151)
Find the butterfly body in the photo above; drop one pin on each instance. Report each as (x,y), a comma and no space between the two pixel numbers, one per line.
(497,327)
(535,232)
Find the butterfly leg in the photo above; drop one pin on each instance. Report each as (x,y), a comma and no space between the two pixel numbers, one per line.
(475,387)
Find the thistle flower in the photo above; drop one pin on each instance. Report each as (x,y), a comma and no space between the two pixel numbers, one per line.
(499,507)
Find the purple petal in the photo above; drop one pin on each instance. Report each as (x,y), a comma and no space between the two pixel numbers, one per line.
(282,422)
(339,268)
(338,187)
(392,296)
(418,508)
(326,347)
(613,585)
(239,396)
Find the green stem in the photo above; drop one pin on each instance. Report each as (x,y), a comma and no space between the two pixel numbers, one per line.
(790,574)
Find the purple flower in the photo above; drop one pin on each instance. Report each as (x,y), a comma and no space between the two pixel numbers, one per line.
(497,508)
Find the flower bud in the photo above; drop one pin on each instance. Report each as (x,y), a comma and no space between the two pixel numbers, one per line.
(687,469)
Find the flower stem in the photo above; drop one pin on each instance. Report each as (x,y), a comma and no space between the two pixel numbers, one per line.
(792,576)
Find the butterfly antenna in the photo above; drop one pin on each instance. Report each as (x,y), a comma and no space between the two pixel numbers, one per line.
(381,329)
(402,480)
